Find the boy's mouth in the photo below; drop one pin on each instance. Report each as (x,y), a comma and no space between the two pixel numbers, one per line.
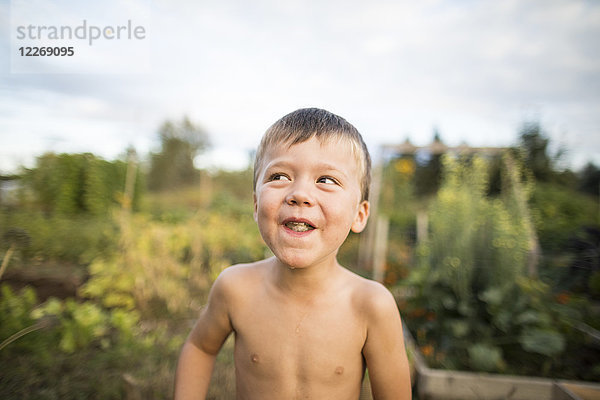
(298,226)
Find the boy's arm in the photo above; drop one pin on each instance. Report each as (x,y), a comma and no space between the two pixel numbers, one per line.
(198,354)
(384,349)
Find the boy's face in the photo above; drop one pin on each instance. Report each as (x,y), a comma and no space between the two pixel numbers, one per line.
(307,199)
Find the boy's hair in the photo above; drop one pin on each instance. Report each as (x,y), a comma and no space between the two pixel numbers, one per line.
(301,125)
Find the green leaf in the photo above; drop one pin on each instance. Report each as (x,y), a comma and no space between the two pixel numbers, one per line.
(465,309)
(448,302)
(493,296)
(460,328)
(484,357)
(542,341)
(502,320)
(67,342)
(532,317)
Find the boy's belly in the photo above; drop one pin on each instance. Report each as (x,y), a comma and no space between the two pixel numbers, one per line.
(314,358)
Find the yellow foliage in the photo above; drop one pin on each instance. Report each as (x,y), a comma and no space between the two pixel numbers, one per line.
(165,268)
(405,166)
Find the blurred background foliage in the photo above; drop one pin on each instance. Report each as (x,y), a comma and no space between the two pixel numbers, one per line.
(505,276)
(105,264)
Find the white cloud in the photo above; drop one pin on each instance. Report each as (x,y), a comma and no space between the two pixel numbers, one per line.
(392,68)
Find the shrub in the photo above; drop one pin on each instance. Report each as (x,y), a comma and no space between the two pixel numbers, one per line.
(559,213)
(71,184)
(161,268)
(73,239)
(70,350)
(474,308)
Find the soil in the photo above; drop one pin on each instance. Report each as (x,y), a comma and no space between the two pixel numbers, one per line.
(47,279)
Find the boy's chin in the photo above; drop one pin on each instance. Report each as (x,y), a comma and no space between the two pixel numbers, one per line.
(298,261)
(293,262)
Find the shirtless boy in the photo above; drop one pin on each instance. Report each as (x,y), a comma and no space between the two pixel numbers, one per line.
(305,327)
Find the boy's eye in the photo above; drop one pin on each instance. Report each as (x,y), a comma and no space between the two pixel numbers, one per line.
(327,179)
(279,177)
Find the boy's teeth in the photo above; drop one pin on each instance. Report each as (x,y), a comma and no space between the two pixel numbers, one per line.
(299,226)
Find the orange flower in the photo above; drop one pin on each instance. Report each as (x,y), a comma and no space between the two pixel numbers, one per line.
(563,298)
(419,312)
(427,350)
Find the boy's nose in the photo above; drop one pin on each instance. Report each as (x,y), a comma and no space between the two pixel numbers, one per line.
(299,195)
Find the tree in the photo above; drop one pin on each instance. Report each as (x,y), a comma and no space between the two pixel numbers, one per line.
(70,184)
(589,179)
(428,173)
(173,166)
(534,144)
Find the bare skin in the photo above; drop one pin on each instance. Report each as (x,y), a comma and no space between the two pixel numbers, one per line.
(304,326)
(301,344)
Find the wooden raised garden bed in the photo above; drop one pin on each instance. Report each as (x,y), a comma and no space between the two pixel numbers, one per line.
(438,384)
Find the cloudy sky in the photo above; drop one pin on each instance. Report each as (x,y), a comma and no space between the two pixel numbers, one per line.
(473,70)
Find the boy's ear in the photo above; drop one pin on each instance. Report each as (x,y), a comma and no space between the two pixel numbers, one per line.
(360,221)
(255,207)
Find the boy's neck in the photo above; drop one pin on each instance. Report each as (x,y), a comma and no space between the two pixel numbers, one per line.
(305,282)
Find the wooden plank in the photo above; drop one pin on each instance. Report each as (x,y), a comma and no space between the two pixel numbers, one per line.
(582,390)
(456,385)
(380,247)
(561,393)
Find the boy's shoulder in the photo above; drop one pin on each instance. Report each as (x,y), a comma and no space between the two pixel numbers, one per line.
(241,274)
(371,297)
(245,270)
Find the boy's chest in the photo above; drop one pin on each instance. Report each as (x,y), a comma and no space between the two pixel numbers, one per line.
(282,341)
